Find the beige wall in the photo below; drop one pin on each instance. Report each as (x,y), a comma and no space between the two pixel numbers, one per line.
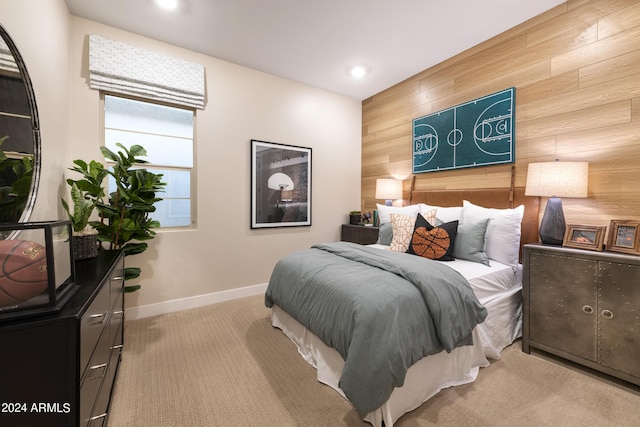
(222,253)
(41,31)
(576,69)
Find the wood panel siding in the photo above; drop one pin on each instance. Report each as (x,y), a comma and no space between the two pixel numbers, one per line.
(576,70)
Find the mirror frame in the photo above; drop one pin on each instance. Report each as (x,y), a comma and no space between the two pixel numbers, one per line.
(35,125)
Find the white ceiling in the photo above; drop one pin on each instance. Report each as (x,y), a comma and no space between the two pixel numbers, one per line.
(315,42)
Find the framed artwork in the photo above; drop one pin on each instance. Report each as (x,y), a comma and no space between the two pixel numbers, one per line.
(624,236)
(480,132)
(280,185)
(589,237)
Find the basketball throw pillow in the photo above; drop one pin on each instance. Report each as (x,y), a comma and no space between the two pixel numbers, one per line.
(433,242)
(23,271)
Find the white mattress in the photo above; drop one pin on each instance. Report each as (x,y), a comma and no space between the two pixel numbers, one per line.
(497,287)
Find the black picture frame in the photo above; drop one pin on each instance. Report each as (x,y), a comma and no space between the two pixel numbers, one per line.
(280,185)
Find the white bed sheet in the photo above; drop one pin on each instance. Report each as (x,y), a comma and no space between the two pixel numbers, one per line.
(498,287)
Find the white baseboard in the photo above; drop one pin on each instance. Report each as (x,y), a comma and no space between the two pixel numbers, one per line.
(149,310)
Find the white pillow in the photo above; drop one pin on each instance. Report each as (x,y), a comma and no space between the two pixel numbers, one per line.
(503,231)
(444,214)
(384,211)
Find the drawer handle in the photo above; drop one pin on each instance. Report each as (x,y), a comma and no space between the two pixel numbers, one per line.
(97,417)
(117,347)
(96,371)
(587,309)
(100,366)
(117,278)
(97,319)
(607,314)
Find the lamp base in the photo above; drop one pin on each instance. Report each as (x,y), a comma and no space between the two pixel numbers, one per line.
(388,202)
(553,226)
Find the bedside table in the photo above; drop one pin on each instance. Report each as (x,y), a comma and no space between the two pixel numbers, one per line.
(583,306)
(361,234)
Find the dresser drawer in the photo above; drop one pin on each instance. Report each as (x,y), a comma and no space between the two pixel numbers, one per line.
(92,324)
(94,377)
(99,416)
(116,325)
(116,283)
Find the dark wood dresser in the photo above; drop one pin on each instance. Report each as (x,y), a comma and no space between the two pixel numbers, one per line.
(59,369)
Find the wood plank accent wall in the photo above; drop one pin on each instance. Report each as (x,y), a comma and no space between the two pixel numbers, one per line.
(576,70)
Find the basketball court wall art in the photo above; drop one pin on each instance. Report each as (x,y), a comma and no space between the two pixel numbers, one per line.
(477,133)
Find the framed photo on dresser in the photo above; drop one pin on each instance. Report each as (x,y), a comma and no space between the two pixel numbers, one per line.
(624,236)
(590,237)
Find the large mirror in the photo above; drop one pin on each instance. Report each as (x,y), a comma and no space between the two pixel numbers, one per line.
(19,136)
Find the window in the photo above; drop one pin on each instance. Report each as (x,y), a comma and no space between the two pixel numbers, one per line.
(166,133)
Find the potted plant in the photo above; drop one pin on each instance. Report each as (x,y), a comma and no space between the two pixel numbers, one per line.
(355,217)
(85,194)
(124,217)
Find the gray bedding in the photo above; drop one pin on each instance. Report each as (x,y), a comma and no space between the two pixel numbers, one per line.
(382,311)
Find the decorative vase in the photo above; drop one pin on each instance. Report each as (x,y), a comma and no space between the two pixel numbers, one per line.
(85,246)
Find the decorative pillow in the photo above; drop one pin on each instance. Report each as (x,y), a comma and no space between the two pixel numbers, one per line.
(433,242)
(385,234)
(403,226)
(470,242)
(402,231)
(430,215)
(384,211)
(503,232)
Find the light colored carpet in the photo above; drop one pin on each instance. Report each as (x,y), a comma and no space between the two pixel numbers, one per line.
(225,365)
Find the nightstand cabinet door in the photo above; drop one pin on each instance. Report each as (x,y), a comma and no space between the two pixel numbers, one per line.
(619,317)
(360,234)
(563,297)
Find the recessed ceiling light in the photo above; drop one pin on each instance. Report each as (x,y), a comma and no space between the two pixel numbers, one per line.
(358,71)
(167,4)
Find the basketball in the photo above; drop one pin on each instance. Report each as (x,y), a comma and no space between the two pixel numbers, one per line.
(432,244)
(23,271)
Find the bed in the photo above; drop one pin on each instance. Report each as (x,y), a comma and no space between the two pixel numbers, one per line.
(331,299)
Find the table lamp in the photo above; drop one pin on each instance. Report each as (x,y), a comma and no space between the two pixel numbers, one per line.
(556,180)
(388,189)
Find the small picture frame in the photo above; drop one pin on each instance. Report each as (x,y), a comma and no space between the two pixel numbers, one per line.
(624,236)
(590,237)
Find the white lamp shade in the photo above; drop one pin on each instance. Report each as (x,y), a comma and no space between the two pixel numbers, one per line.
(559,179)
(388,189)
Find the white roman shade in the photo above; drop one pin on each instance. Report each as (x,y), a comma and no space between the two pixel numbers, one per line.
(120,68)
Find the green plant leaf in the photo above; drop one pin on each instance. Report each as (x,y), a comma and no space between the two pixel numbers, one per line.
(131,273)
(131,288)
(135,248)
(137,150)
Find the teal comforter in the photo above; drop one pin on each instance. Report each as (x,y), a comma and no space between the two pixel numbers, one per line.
(382,311)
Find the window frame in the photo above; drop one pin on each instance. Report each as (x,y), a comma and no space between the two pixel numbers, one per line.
(151,166)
